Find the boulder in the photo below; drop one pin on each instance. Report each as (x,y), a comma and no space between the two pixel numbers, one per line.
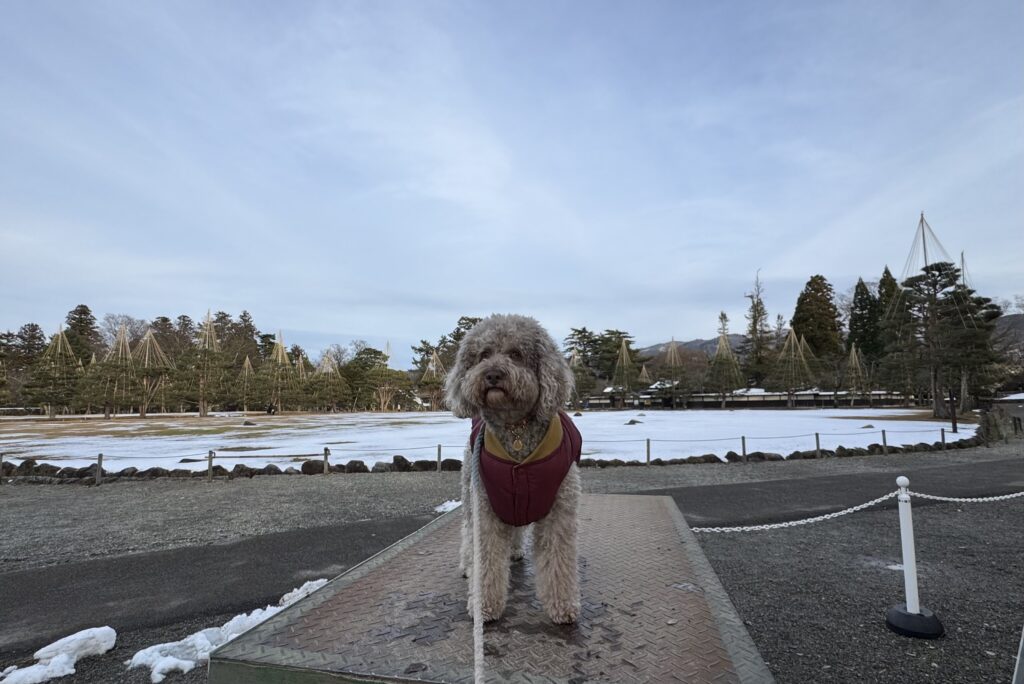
(356,467)
(26,467)
(270,469)
(68,473)
(601,463)
(875,449)
(842,452)
(129,472)
(90,471)
(616,463)
(451,465)
(677,461)
(191,460)
(8,469)
(771,456)
(46,470)
(424,466)
(633,421)
(291,471)
(337,468)
(313,467)
(694,459)
(657,462)
(922,446)
(733,457)
(577,414)
(157,471)
(400,464)
(756,457)
(587,463)
(248,423)
(219,471)
(180,472)
(241,470)
(382,467)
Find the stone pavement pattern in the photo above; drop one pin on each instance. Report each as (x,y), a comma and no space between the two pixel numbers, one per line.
(402,616)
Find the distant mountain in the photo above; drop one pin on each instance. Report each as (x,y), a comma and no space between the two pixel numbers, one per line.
(706,346)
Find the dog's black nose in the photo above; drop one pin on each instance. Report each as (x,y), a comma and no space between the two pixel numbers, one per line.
(493,377)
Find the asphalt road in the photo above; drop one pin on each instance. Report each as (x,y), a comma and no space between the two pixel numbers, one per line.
(782,500)
(144,590)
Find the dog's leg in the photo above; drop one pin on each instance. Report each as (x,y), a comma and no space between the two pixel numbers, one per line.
(554,554)
(495,547)
(466,547)
(517,543)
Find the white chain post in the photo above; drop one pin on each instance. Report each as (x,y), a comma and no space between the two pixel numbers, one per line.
(910,619)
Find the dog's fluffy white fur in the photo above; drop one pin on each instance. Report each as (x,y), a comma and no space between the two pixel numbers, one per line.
(510,372)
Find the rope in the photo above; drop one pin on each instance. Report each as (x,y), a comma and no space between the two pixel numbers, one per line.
(795,523)
(477,582)
(980,499)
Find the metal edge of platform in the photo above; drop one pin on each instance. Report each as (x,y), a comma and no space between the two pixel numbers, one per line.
(746,658)
(224,669)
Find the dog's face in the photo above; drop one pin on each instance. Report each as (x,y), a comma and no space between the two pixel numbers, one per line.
(508,367)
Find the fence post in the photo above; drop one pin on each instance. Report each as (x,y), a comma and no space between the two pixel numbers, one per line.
(438,458)
(817,444)
(648,451)
(743,444)
(327,463)
(209,465)
(885,444)
(943,431)
(910,619)
(99,469)
(2,480)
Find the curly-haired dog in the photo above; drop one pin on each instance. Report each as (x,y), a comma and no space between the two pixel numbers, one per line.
(511,378)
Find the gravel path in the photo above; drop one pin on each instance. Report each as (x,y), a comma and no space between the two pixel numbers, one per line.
(814,597)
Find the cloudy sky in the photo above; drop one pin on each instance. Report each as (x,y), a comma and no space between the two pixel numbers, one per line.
(375,170)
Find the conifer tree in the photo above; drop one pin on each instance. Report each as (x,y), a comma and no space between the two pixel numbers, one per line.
(54,376)
(756,348)
(816,318)
(865,322)
(82,333)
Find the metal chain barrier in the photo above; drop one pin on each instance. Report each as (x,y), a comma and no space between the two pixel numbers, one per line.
(795,523)
(980,499)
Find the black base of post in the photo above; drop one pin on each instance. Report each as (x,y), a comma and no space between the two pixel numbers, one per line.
(923,625)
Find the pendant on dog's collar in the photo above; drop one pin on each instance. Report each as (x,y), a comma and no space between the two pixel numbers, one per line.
(517,445)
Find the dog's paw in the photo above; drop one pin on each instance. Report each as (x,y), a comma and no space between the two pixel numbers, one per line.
(489,611)
(564,613)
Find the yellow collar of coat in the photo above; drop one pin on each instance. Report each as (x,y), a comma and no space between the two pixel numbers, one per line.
(552,438)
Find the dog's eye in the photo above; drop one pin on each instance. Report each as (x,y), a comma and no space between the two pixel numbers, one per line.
(515,355)
(485,354)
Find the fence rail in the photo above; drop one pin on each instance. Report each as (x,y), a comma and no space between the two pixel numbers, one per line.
(741,440)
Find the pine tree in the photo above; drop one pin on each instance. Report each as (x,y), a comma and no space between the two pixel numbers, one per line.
(816,318)
(865,323)
(54,376)
(82,333)
(756,348)
(724,375)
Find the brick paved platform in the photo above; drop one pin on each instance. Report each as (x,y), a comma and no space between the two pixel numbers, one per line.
(653,611)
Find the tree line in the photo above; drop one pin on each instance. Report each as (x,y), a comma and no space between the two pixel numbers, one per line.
(930,337)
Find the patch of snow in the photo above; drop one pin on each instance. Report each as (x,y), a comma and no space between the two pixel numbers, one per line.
(184,655)
(1012,397)
(895,566)
(373,437)
(59,658)
(449,505)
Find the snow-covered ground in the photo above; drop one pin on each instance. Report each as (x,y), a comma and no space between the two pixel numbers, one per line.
(372,437)
(59,658)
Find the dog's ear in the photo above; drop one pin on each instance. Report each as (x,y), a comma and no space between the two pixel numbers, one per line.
(454,383)
(554,377)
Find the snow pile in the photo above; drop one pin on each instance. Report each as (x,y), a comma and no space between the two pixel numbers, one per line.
(1012,397)
(183,656)
(449,505)
(59,658)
